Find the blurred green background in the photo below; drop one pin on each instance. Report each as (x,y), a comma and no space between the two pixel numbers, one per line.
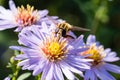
(101,16)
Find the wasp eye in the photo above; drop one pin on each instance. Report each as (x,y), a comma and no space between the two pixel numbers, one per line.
(63,32)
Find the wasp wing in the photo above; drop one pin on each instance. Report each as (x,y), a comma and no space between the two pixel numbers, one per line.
(75,28)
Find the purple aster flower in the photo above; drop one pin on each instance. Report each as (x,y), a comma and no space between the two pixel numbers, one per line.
(44,53)
(100,66)
(7,78)
(20,17)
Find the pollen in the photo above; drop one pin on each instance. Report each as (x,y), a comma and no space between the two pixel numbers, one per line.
(26,16)
(55,50)
(94,53)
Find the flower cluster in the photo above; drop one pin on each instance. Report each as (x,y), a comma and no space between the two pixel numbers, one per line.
(49,47)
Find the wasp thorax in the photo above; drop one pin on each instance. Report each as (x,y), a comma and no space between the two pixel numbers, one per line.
(64,26)
(55,50)
(26,16)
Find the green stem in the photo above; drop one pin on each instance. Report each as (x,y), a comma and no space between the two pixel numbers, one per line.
(16,71)
(38,77)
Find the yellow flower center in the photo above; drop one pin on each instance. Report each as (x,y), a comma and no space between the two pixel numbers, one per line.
(26,16)
(55,50)
(94,53)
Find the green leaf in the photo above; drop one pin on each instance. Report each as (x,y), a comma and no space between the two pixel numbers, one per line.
(24,76)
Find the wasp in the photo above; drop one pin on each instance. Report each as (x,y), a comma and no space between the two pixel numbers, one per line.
(64,27)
